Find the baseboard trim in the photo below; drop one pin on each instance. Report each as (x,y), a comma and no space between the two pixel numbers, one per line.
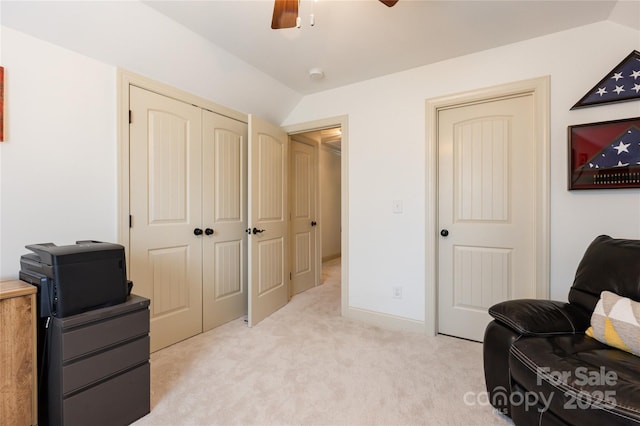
(386,321)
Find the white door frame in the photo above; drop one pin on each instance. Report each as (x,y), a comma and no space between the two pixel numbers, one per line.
(326,123)
(539,89)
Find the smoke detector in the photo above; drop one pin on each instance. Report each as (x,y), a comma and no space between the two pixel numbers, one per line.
(316,74)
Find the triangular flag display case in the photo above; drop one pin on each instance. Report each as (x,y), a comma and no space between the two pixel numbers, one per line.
(622,83)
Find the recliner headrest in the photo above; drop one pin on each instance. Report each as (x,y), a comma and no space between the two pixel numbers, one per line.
(608,264)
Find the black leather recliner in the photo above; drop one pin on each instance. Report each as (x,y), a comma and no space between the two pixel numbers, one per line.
(540,367)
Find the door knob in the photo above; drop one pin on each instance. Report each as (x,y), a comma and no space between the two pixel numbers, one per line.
(257,231)
(197,231)
(444,232)
(314,223)
(208,231)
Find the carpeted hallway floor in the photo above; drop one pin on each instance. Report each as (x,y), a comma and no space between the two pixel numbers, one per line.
(306,365)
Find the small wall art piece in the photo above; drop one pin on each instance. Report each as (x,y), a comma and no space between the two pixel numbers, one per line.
(1,104)
(621,84)
(605,155)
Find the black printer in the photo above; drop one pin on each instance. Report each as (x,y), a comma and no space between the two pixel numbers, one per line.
(76,278)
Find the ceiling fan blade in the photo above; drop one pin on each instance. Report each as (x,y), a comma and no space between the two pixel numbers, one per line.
(389,3)
(285,13)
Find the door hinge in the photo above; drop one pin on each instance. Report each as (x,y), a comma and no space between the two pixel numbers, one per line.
(130,117)
(130,221)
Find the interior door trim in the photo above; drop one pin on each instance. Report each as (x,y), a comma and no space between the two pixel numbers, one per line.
(539,89)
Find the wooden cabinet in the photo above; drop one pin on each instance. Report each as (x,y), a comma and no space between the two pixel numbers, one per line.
(18,389)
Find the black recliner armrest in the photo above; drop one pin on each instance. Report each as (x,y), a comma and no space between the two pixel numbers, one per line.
(535,317)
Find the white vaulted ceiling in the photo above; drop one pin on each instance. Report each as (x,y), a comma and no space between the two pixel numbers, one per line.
(351,41)
(355,40)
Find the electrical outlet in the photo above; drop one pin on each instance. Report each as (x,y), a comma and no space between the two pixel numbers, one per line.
(397,292)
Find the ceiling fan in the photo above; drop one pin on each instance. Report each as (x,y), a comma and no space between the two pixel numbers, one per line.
(285,13)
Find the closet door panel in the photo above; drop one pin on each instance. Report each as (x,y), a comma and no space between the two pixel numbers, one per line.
(224,157)
(166,208)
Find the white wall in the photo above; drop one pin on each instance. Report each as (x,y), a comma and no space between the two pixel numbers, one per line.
(134,36)
(58,166)
(387,158)
(58,161)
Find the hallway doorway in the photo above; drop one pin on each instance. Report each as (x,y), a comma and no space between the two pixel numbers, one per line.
(324,244)
(342,123)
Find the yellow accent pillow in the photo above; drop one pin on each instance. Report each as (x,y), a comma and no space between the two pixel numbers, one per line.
(616,322)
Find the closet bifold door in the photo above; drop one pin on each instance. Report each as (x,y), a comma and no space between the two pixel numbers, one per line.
(224,219)
(165,251)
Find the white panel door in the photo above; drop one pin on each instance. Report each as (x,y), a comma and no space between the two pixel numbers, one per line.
(224,218)
(267,171)
(303,216)
(165,190)
(486,211)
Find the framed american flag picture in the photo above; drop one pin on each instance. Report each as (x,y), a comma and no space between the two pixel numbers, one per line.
(605,154)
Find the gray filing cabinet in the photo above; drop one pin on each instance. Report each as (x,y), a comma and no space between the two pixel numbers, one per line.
(98,366)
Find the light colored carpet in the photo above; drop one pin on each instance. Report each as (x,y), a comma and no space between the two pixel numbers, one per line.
(306,365)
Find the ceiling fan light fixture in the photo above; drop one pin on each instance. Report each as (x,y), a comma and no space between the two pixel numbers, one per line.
(316,74)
